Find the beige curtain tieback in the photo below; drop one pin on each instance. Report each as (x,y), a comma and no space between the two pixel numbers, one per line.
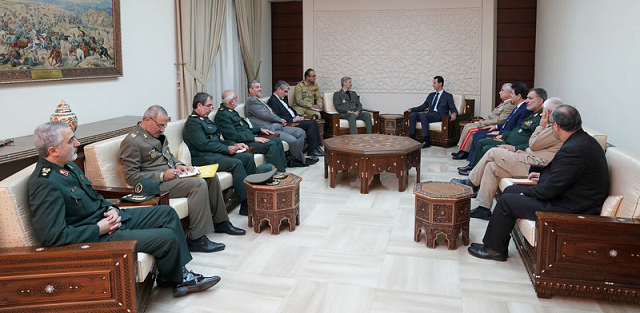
(198,77)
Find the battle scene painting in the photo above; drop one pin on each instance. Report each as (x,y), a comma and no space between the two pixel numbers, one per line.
(59,39)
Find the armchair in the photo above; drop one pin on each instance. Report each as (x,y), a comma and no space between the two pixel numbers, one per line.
(89,277)
(334,125)
(446,133)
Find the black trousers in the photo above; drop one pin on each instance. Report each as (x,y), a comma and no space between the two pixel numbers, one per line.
(512,206)
(310,127)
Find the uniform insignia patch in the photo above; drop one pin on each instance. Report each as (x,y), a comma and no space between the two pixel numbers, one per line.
(528,123)
(301,84)
(45,171)
(201,118)
(74,188)
(133,135)
(63,172)
(153,155)
(144,135)
(343,100)
(230,110)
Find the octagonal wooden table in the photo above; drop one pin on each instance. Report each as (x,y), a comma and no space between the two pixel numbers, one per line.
(370,154)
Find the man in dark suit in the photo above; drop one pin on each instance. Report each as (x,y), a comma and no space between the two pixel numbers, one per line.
(519,94)
(575,181)
(438,104)
(278,103)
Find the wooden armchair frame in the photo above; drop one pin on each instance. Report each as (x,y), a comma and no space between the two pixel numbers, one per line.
(332,124)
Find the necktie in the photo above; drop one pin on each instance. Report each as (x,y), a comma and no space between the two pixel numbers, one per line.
(435,101)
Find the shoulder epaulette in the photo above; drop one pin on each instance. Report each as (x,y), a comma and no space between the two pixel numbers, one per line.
(44,172)
(301,84)
(315,84)
(134,134)
(194,115)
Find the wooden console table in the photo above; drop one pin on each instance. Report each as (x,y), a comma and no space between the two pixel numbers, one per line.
(22,152)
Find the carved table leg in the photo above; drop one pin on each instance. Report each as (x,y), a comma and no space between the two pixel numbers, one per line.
(452,238)
(275,226)
(431,237)
(465,234)
(417,230)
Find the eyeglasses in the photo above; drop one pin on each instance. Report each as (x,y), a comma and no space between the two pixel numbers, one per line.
(208,105)
(312,76)
(159,125)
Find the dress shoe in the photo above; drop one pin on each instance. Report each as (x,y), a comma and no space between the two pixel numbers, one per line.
(244,208)
(461,155)
(194,283)
(203,244)
(426,143)
(296,163)
(163,282)
(316,153)
(464,173)
(228,228)
(481,213)
(312,161)
(466,182)
(465,168)
(484,252)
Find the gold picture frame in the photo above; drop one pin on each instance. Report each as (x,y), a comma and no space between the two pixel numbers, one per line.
(44,40)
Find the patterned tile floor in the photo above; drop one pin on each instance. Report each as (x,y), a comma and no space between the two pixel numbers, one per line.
(355,253)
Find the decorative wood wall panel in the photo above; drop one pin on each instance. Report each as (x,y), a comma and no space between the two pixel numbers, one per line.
(399,51)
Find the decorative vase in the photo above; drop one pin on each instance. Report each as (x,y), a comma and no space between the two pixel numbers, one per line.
(63,114)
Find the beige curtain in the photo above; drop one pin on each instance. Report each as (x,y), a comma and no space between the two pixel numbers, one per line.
(249,17)
(200,24)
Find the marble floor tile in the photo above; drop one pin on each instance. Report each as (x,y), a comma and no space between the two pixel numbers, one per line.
(355,238)
(272,259)
(385,301)
(421,275)
(316,297)
(343,267)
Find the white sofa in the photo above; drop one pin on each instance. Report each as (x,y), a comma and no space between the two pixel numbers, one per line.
(585,255)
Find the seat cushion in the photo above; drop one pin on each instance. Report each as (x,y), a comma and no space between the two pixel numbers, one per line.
(144,266)
(180,205)
(528,229)
(345,123)
(624,170)
(105,154)
(611,205)
(226,180)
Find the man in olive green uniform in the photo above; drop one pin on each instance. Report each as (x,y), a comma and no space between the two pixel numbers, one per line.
(348,104)
(517,139)
(306,97)
(497,116)
(65,210)
(144,153)
(202,137)
(235,128)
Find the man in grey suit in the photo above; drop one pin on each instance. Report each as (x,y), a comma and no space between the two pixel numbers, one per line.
(261,115)
(144,153)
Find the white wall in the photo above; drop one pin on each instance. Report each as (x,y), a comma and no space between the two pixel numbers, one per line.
(407,85)
(587,54)
(149,77)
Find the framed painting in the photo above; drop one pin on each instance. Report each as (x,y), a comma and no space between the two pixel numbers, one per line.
(44,40)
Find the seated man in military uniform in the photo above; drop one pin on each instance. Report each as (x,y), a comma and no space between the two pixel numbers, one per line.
(144,153)
(347,103)
(235,128)
(65,210)
(202,137)
(306,98)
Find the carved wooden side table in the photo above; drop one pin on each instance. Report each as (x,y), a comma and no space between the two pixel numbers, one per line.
(391,124)
(274,204)
(442,208)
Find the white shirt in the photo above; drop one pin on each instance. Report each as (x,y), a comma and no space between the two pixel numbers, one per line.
(437,96)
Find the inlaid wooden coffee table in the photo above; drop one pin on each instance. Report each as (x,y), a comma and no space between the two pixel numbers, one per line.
(370,154)
(274,204)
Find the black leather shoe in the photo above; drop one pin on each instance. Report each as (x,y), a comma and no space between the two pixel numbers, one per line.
(461,155)
(466,182)
(316,153)
(481,213)
(426,143)
(312,161)
(203,244)
(465,168)
(244,208)
(484,252)
(228,228)
(464,173)
(296,163)
(194,283)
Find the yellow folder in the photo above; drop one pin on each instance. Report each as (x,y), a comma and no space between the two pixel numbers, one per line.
(207,171)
